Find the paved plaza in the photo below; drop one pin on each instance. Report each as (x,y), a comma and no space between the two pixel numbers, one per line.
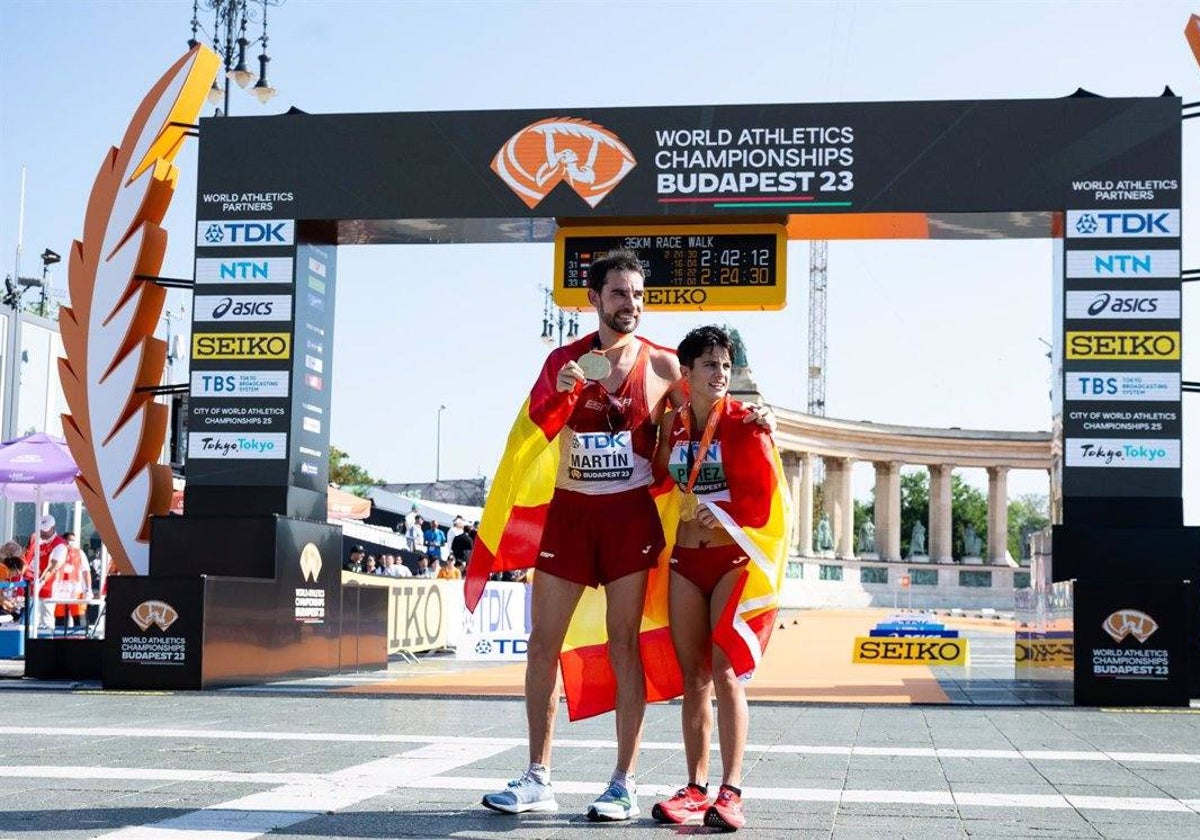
(306,759)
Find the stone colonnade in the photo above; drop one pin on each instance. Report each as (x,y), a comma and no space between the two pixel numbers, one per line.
(807,442)
(799,470)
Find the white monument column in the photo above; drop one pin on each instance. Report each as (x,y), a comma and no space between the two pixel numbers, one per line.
(791,476)
(804,506)
(939,513)
(887,510)
(997,547)
(839,502)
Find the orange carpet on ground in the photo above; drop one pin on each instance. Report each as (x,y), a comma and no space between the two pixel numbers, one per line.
(808,660)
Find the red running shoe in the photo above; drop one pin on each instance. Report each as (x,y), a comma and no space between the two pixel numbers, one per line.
(726,813)
(686,806)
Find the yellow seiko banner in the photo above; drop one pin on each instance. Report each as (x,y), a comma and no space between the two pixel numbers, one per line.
(420,610)
(913,650)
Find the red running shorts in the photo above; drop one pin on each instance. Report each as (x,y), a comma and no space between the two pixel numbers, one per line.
(706,566)
(596,539)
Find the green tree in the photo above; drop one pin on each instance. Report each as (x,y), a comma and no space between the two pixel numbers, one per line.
(344,473)
(1027,513)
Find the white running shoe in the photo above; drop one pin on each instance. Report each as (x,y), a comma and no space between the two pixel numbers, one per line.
(616,803)
(521,795)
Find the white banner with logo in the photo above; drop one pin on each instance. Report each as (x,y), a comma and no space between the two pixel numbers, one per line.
(498,630)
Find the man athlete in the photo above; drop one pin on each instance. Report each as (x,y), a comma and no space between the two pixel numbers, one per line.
(602,529)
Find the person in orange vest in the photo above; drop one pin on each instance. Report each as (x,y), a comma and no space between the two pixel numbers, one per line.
(41,569)
(74,580)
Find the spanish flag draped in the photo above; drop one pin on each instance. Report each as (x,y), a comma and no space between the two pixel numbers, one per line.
(515,514)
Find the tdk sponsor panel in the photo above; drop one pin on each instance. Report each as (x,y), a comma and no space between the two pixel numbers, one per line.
(1122,224)
(249,233)
(239,383)
(1128,263)
(1122,387)
(1122,305)
(242,308)
(241,270)
(1113,452)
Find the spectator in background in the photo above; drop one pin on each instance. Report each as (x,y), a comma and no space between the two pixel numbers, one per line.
(455,529)
(74,581)
(450,571)
(422,567)
(355,563)
(400,569)
(460,546)
(41,568)
(371,567)
(416,535)
(435,540)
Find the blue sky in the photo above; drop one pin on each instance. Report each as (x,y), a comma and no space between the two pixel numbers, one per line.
(941,334)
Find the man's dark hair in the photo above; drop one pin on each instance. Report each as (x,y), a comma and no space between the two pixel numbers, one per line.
(700,340)
(621,260)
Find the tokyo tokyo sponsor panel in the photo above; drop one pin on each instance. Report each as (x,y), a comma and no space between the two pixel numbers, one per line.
(235,446)
(1122,452)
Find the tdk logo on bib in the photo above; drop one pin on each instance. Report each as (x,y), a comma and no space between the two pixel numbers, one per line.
(257,232)
(601,440)
(1122,223)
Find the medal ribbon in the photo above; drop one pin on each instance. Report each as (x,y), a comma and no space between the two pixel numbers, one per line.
(710,429)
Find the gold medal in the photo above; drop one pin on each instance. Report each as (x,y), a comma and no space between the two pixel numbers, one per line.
(687,507)
(595,365)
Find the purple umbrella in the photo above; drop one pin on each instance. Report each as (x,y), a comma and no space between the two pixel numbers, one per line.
(37,468)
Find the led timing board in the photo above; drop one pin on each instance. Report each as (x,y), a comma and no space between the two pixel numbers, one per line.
(687,267)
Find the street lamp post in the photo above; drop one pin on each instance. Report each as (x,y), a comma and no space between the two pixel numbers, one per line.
(437,469)
(553,317)
(229,41)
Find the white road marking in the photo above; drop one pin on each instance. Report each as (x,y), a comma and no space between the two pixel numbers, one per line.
(305,796)
(93,732)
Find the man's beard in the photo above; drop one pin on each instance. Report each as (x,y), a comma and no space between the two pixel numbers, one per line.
(611,321)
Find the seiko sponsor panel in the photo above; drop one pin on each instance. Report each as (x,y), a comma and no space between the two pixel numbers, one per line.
(251,232)
(1118,452)
(1122,224)
(242,308)
(1122,305)
(1119,386)
(241,345)
(869,650)
(1131,263)
(233,446)
(228,270)
(1134,346)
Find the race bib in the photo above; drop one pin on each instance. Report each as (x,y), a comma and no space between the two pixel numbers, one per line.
(600,456)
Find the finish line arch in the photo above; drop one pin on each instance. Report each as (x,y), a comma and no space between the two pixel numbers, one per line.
(1101,177)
